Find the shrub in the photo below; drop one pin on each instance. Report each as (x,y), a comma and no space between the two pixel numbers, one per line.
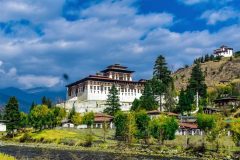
(6,157)
(69,142)
(88,140)
(25,138)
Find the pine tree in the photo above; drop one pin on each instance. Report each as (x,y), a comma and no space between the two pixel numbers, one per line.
(46,101)
(202,60)
(163,74)
(211,57)
(161,71)
(181,102)
(135,105)
(170,102)
(207,58)
(12,115)
(112,101)
(197,84)
(147,99)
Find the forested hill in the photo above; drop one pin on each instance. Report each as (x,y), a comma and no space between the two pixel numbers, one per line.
(215,71)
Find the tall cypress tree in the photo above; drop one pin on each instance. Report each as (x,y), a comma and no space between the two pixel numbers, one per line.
(197,83)
(12,115)
(148,101)
(112,102)
(161,71)
(185,101)
(163,74)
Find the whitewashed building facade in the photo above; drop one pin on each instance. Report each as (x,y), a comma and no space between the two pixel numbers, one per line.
(90,93)
(223,51)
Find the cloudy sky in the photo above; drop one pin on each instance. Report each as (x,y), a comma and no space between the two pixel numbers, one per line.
(42,39)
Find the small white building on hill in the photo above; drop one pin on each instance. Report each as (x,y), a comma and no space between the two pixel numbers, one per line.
(3,126)
(223,51)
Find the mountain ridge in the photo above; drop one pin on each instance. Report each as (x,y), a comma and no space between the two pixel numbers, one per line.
(25,97)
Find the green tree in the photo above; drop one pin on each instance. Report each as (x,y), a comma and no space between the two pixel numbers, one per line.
(58,115)
(88,119)
(170,103)
(184,103)
(212,58)
(163,74)
(136,105)
(105,128)
(39,117)
(131,129)
(120,121)
(142,125)
(12,115)
(46,101)
(206,123)
(23,120)
(77,119)
(163,128)
(207,58)
(147,100)
(55,116)
(235,129)
(197,84)
(218,131)
(112,101)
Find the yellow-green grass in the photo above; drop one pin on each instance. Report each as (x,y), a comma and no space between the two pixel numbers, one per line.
(63,135)
(6,157)
(77,137)
(225,142)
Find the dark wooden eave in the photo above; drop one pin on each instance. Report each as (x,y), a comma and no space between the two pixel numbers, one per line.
(103,79)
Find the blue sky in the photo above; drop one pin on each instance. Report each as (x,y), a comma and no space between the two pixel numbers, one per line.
(42,39)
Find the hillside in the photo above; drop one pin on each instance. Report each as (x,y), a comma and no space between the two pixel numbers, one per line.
(226,69)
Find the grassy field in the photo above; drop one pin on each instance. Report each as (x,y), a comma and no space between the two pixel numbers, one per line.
(6,157)
(65,136)
(56,135)
(74,139)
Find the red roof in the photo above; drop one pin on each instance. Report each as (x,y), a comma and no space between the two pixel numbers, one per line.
(171,114)
(101,117)
(188,125)
(154,112)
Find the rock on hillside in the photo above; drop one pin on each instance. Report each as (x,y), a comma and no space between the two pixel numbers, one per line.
(226,69)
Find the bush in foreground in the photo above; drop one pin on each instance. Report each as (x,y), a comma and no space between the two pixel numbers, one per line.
(6,157)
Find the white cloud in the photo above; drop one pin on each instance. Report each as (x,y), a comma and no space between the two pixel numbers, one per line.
(30,81)
(194,2)
(10,77)
(110,9)
(30,9)
(191,2)
(98,38)
(214,16)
